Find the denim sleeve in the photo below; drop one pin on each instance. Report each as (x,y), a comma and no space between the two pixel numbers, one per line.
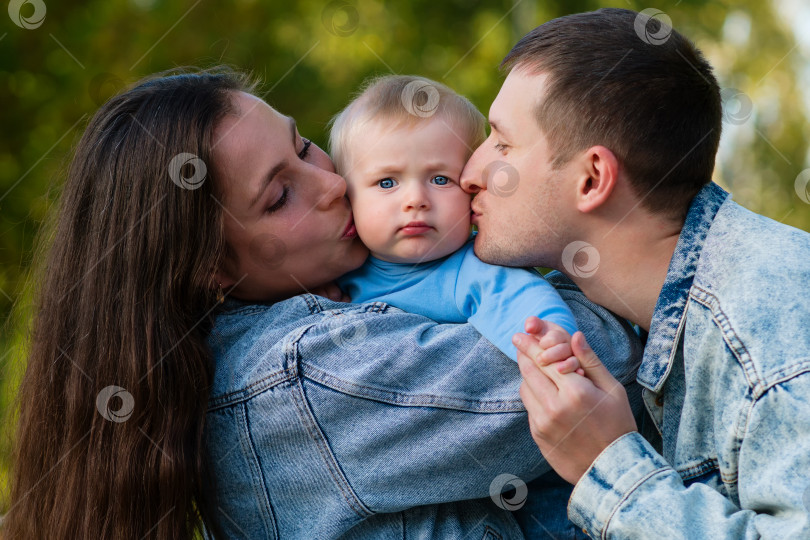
(418,413)
(630,491)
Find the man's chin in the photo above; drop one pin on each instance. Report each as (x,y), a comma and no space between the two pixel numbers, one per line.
(501,252)
(489,251)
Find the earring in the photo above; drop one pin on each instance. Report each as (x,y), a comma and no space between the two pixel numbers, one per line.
(220,295)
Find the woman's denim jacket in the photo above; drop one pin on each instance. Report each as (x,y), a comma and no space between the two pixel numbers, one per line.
(334,420)
(726,377)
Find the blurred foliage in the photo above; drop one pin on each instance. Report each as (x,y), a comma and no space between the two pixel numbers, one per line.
(312,55)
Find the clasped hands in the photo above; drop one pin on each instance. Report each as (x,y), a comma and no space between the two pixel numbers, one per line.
(576,407)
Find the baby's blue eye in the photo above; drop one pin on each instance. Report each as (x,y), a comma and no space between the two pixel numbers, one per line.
(440,180)
(386,183)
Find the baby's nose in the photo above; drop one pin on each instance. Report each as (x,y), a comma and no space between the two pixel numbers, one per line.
(416,199)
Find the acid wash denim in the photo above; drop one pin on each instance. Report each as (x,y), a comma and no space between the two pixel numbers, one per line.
(726,377)
(334,420)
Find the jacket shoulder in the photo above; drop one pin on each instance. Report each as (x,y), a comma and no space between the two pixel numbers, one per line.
(752,278)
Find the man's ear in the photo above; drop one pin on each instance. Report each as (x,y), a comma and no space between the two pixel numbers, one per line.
(599,174)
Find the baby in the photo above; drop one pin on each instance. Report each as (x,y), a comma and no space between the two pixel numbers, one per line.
(401,146)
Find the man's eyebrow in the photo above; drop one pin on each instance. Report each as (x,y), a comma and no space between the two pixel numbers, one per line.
(494,125)
(275,170)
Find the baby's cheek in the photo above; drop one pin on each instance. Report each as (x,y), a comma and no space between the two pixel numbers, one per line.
(373,227)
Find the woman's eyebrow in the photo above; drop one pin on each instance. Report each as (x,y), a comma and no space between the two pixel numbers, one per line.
(266,181)
(275,170)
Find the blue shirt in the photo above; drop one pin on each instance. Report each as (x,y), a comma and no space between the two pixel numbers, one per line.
(460,288)
(726,378)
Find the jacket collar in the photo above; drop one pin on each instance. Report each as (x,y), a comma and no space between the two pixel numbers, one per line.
(670,309)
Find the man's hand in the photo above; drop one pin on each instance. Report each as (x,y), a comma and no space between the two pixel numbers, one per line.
(332,292)
(572,418)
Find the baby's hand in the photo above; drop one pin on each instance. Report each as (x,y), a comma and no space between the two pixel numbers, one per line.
(332,292)
(548,343)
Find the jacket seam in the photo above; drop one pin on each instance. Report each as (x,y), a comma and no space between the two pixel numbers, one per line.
(257,460)
(383,395)
(629,492)
(312,304)
(308,419)
(248,392)
(251,309)
(397,398)
(784,376)
(705,466)
(730,337)
(490,532)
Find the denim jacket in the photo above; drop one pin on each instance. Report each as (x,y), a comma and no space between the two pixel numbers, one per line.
(333,420)
(726,377)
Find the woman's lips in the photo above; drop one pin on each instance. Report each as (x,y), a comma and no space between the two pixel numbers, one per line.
(350,231)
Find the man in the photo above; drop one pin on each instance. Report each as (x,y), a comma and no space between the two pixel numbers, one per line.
(599,164)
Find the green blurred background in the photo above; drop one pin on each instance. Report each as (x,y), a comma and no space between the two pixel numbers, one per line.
(313,54)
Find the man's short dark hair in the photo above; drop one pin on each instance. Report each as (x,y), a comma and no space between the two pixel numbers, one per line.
(626,81)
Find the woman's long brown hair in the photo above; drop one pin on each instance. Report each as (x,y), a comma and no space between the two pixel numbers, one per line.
(112,405)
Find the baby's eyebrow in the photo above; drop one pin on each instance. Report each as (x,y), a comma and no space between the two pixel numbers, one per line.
(386,169)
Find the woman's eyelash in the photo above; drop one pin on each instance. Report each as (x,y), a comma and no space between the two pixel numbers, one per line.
(500,147)
(279,203)
(304,151)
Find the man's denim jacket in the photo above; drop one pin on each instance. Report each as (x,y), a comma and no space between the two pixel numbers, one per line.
(332,420)
(726,377)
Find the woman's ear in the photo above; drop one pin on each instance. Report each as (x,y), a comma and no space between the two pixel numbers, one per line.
(222,279)
(600,171)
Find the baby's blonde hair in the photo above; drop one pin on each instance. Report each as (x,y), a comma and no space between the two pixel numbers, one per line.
(404,99)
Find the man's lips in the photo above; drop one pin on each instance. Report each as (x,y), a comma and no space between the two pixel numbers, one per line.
(415,227)
(474,215)
(350,231)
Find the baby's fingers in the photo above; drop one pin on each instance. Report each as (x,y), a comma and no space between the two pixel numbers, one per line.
(556,353)
(569,365)
(534,325)
(547,333)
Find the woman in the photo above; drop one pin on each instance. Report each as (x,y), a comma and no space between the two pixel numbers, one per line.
(323,418)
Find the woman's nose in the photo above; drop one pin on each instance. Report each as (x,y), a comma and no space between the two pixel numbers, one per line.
(331,187)
(471,179)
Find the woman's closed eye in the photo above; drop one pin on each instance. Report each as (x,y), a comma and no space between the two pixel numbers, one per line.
(280,202)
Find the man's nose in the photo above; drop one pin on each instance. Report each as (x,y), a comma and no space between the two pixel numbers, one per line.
(471,179)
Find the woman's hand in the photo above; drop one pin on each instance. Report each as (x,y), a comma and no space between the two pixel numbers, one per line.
(332,292)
